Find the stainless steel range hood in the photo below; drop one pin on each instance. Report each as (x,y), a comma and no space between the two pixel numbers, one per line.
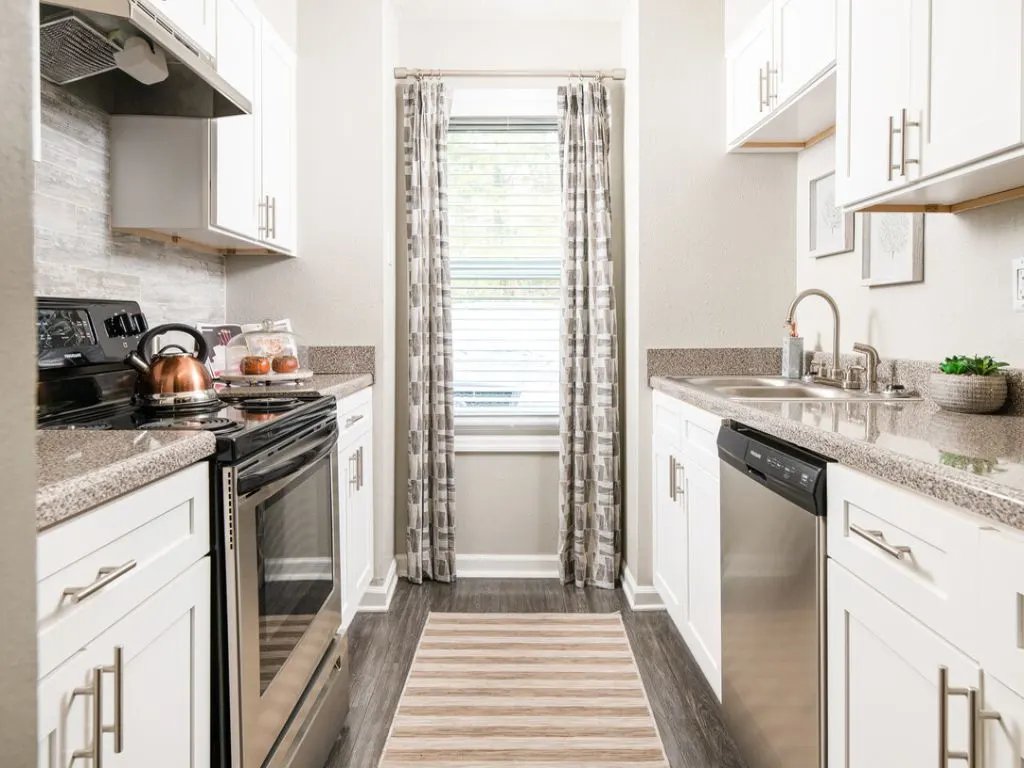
(78,38)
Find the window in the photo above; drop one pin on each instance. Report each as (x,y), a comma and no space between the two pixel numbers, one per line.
(505,218)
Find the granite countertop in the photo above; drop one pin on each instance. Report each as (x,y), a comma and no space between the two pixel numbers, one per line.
(79,470)
(974,462)
(338,384)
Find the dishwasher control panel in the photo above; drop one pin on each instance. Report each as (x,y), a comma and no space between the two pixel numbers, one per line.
(789,470)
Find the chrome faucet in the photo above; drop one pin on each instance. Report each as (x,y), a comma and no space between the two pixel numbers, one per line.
(833,375)
(870,365)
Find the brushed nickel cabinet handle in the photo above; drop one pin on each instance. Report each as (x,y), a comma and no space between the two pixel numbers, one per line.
(273,217)
(94,752)
(877,538)
(769,94)
(680,489)
(761,83)
(104,577)
(672,477)
(261,216)
(945,691)
(117,670)
(978,718)
(904,124)
(889,166)
(352,420)
(359,467)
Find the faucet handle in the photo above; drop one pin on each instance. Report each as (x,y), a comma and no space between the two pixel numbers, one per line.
(853,377)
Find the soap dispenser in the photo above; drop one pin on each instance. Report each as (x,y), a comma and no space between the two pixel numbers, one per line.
(792,353)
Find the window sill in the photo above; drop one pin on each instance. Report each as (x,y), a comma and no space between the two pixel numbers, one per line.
(506,443)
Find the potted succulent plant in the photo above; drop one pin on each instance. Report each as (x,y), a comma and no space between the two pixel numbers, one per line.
(969,384)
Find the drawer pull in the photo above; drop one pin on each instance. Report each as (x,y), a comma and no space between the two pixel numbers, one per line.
(877,538)
(352,420)
(104,577)
(978,717)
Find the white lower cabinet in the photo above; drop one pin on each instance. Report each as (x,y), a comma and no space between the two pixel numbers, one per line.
(687,529)
(136,691)
(162,680)
(921,595)
(883,682)
(355,494)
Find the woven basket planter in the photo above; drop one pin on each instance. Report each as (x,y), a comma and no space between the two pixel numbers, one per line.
(968,394)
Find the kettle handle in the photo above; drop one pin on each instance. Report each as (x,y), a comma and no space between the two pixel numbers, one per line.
(202,348)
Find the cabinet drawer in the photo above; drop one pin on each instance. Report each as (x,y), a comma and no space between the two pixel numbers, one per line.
(1001,606)
(920,553)
(355,414)
(121,553)
(667,417)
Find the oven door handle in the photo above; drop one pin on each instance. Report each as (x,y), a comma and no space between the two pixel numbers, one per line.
(305,453)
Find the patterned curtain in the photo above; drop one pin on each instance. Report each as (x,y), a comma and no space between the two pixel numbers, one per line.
(590,536)
(430,538)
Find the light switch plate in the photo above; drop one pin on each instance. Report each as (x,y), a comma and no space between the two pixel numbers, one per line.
(1018,285)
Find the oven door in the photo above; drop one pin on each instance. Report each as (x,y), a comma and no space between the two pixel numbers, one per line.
(287,583)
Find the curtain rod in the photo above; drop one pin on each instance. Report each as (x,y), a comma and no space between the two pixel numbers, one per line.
(402,73)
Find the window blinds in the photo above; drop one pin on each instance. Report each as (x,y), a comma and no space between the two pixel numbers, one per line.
(505,218)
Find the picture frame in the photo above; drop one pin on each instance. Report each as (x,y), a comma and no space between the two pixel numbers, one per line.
(830,231)
(892,252)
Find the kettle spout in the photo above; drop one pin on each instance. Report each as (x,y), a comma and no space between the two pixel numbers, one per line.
(136,362)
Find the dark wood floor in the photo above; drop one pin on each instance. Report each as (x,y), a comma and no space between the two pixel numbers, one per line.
(382,647)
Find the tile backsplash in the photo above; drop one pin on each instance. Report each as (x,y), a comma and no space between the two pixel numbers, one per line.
(77,255)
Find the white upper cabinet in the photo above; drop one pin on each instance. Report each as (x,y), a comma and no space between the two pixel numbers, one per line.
(929,106)
(973,99)
(196,18)
(780,88)
(871,96)
(227,185)
(805,43)
(749,65)
(236,149)
(277,119)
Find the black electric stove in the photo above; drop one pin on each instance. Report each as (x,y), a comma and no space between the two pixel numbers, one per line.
(85,385)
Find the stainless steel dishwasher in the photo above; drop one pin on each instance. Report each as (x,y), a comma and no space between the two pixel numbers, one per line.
(773,599)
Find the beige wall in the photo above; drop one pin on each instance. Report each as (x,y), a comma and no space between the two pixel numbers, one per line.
(710,236)
(341,288)
(505,503)
(963,306)
(17,388)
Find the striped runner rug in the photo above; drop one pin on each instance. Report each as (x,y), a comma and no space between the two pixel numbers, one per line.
(492,690)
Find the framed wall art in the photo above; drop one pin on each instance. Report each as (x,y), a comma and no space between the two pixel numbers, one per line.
(893,249)
(831,230)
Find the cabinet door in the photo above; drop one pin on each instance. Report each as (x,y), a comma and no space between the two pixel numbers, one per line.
(748,76)
(196,18)
(278,143)
(704,576)
(669,529)
(236,155)
(347,502)
(805,43)
(1002,739)
(65,719)
(873,86)
(974,81)
(883,682)
(165,677)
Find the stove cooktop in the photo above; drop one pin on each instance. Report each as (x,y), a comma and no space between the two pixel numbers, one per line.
(242,425)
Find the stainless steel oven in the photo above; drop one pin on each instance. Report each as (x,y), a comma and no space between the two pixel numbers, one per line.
(283,583)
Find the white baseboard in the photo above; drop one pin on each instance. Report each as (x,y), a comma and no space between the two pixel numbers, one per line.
(377,597)
(498,566)
(640,598)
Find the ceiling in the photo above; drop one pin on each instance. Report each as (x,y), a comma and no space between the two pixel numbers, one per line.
(476,10)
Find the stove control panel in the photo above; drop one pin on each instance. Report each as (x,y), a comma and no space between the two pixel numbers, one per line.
(76,332)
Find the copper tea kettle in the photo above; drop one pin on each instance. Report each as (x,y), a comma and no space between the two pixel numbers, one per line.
(172,377)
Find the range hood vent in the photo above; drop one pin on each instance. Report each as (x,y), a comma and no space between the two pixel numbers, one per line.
(71,50)
(78,40)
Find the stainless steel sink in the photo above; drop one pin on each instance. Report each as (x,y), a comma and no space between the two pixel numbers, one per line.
(777,388)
